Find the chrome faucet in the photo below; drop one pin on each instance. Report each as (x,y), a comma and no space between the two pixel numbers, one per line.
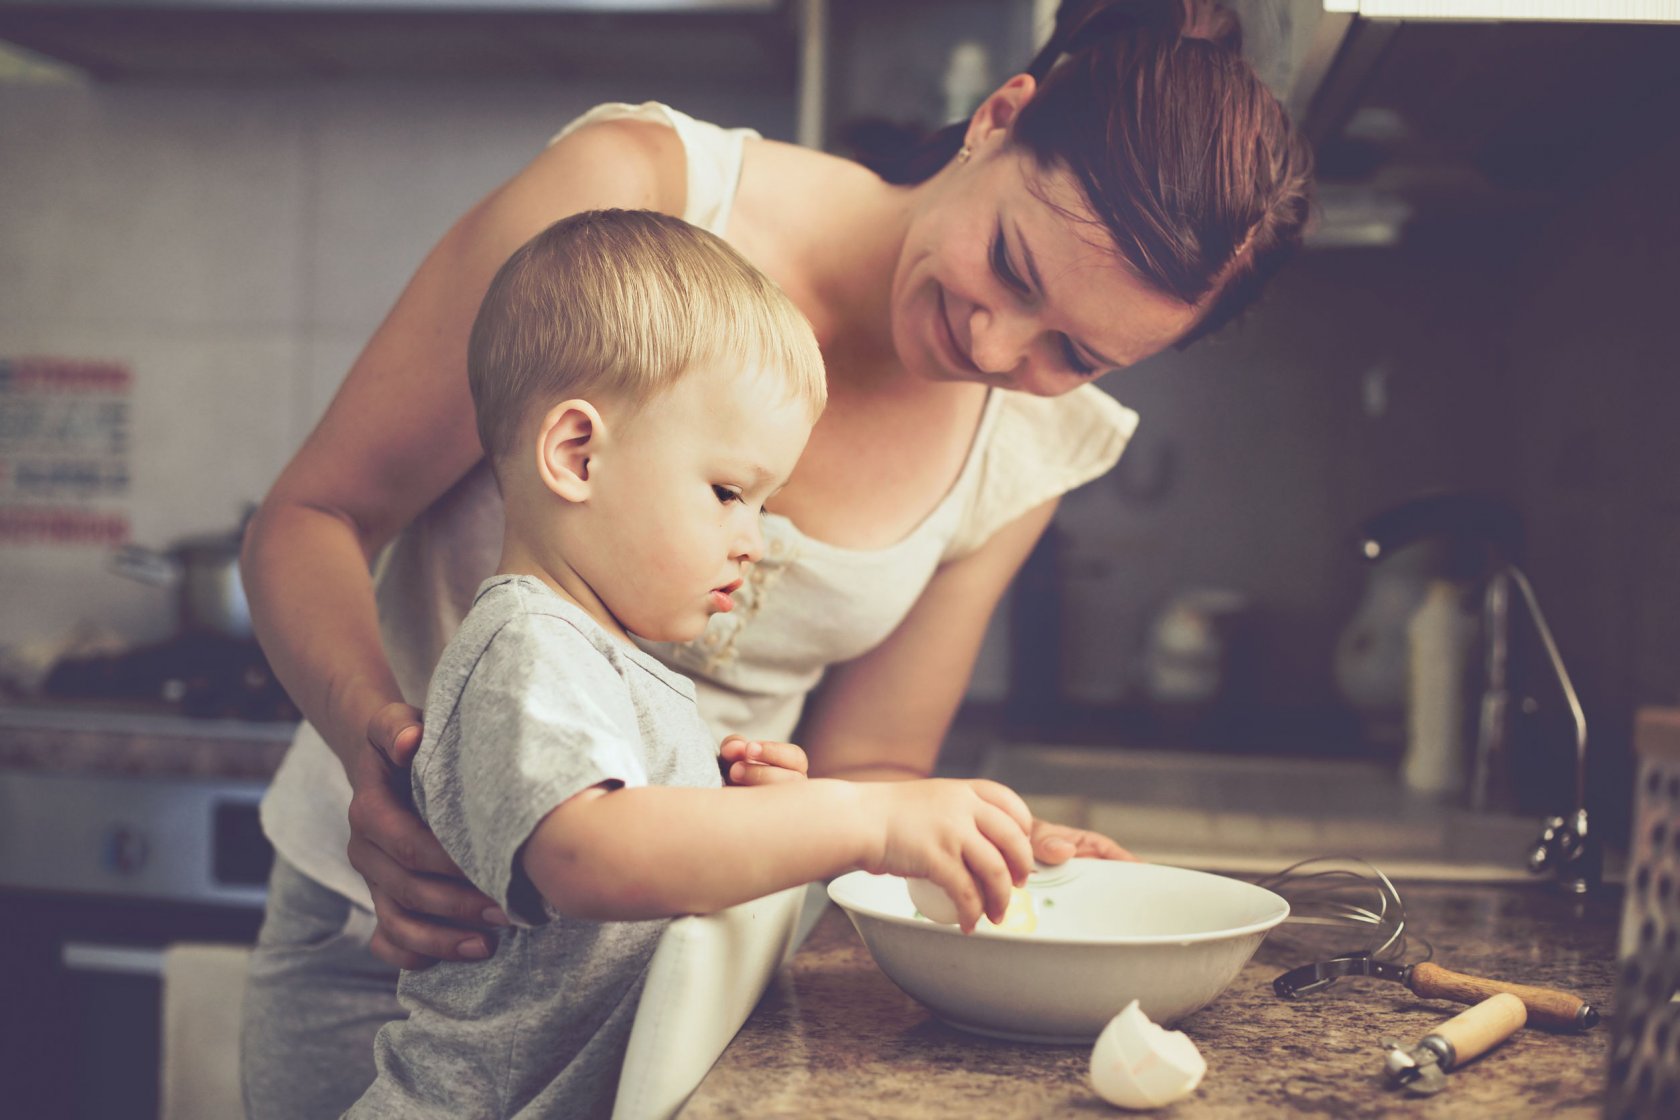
(1566,847)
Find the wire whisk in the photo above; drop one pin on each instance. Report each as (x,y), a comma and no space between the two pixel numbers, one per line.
(1335,899)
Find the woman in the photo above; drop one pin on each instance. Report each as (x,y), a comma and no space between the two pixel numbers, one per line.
(1131,192)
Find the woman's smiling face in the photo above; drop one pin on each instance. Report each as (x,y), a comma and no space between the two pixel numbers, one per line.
(996,283)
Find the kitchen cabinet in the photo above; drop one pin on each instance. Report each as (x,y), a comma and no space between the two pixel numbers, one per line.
(834,1037)
(121,833)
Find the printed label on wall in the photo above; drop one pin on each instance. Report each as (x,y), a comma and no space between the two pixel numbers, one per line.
(64,451)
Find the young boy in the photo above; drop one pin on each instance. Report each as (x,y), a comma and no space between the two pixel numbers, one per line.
(641,391)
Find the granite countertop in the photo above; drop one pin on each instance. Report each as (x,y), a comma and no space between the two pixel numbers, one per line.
(110,740)
(834,1037)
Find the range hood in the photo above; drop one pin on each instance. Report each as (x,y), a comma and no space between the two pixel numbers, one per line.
(1464,111)
(751,41)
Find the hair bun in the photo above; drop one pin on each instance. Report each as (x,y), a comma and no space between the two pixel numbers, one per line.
(1087,23)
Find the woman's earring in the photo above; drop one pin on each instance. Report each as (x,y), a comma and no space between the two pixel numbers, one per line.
(963,153)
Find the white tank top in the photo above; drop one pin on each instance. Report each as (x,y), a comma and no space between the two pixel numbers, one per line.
(804,606)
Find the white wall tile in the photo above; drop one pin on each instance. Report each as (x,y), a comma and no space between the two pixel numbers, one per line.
(149,205)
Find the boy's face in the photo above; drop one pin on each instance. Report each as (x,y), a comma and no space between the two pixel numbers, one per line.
(675,497)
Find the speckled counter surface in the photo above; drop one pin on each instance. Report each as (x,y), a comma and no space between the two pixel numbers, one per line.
(116,742)
(834,1037)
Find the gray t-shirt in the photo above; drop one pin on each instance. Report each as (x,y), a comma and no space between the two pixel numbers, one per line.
(531,703)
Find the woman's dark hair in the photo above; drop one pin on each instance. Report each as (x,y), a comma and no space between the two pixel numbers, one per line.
(1185,157)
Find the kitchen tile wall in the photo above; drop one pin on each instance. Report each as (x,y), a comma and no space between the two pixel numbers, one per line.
(235,246)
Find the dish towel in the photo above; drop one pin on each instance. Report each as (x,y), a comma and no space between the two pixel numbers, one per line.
(705,978)
(203,992)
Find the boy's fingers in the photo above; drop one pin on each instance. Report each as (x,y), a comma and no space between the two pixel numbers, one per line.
(783,755)
(1007,800)
(956,880)
(991,877)
(1000,828)
(757,774)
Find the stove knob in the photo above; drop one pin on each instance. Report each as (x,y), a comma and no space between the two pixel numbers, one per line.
(126,849)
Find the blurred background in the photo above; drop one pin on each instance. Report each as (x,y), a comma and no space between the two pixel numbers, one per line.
(220,200)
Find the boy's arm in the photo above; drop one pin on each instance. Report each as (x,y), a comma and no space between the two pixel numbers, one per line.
(654,851)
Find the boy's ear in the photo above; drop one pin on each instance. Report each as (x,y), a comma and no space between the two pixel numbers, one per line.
(572,431)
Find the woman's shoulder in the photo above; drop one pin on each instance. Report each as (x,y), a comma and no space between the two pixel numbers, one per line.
(1036,449)
(1086,421)
(609,157)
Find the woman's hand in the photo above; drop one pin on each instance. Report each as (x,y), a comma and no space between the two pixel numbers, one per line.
(426,909)
(1057,843)
(758,762)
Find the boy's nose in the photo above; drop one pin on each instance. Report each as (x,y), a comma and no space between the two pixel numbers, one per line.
(750,545)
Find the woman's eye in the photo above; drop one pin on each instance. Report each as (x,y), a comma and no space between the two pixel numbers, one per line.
(1074,362)
(1000,265)
(725,495)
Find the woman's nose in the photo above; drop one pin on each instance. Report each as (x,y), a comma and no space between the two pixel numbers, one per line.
(999,340)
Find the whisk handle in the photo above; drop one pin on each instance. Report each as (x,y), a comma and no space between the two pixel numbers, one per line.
(1547,1007)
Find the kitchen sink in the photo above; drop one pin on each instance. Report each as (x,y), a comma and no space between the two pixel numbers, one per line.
(1247,814)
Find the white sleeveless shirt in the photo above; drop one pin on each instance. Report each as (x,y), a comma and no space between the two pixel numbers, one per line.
(804,606)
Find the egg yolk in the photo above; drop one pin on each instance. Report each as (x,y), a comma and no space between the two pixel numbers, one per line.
(1021,917)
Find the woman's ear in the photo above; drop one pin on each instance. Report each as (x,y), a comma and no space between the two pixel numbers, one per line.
(998,112)
(571,433)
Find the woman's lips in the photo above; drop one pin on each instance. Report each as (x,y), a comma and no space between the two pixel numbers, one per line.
(954,356)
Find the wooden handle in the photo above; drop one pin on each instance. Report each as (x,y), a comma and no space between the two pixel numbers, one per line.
(1547,1007)
(1474,1032)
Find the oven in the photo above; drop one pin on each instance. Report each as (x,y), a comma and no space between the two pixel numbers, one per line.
(99,872)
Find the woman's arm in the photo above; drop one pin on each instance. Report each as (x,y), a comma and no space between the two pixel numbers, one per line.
(653,851)
(398,434)
(884,715)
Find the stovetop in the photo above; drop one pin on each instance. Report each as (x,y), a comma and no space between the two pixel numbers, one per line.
(198,676)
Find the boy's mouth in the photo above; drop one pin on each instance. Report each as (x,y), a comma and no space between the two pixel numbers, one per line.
(722,596)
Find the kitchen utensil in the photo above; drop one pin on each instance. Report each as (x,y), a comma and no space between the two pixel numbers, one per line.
(1335,900)
(204,570)
(1108,933)
(1466,1036)
(1547,1007)
(1644,1081)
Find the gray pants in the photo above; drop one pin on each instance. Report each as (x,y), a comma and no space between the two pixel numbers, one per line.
(314,1000)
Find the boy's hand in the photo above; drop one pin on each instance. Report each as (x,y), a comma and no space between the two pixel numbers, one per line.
(758,762)
(427,911)
(971,838)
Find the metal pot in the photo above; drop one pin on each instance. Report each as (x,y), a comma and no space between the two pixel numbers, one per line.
(205,572)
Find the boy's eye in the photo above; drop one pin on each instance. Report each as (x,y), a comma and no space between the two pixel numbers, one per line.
(1000,265)
(725,495)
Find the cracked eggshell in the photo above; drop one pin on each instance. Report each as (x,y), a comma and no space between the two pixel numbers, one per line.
(1137,1064)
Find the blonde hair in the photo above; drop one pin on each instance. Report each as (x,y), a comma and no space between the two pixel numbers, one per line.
(620,304)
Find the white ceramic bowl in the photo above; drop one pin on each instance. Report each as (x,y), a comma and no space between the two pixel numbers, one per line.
(1108,933)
